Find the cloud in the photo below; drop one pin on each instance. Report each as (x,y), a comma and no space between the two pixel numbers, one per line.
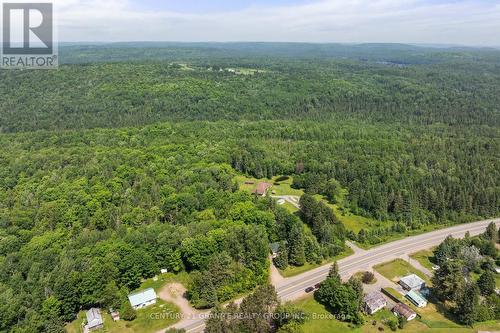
(409,21)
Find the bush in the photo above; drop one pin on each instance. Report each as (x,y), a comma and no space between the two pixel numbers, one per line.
(127,313)
(281,261)
(368,277)
(393,324)
(282,178)
(401,322)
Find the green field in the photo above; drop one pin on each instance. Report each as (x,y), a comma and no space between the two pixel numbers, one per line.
(149,320)
(283,187)
(398,268)
(319,319)
(424,257)
(162,279)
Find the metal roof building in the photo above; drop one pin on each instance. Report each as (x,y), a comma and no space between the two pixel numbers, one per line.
(404,310)
(142,298)
(412,282)
(416,298)
(94,319)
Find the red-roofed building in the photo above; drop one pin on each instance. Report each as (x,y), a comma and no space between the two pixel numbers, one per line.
(262,188)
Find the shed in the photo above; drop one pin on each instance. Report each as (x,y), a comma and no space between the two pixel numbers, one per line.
(404,310)
(374,302)
(412,282)
(94,319)
(143,298)
(416,298)
(114,314)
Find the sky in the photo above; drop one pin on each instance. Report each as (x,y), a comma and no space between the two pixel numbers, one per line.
(463,22)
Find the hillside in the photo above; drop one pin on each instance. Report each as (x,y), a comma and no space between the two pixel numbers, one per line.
(114,167)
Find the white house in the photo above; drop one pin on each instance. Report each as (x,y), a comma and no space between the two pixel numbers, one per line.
(142,298)
(416,298)
(412,282)
(94,320)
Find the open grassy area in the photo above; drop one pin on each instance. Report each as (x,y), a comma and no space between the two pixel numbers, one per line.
(394,293)
(292,270)
(320,320)
(398,268)
(425,258)
(278,188)
(356,222)
(162,279)
(291,208)
(149,320)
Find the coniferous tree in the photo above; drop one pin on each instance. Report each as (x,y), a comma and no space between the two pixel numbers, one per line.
(467,303)
(486,283)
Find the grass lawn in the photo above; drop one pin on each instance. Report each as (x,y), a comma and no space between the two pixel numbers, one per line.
(149,320)
(425,258)
(291,208)
(182,277)
(284,187)
(395,294)
(398,268)
(320,320)
(292,270)
(356,222)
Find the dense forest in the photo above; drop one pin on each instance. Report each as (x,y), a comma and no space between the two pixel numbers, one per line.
(123,161)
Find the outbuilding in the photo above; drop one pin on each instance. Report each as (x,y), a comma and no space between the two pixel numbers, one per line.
(94,320)
(416,298)
(412,282)
(143,298)
(403,310)
(262,188)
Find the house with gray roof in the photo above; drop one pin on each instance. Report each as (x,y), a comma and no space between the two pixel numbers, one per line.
(94,320)
(142,298)
(412,282)
(374,302)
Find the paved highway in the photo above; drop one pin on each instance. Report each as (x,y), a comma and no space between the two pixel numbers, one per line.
(293,288)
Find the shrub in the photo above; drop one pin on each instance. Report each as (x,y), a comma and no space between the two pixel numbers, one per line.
(393,324)
(127,313)
(368,277)
(282,178)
